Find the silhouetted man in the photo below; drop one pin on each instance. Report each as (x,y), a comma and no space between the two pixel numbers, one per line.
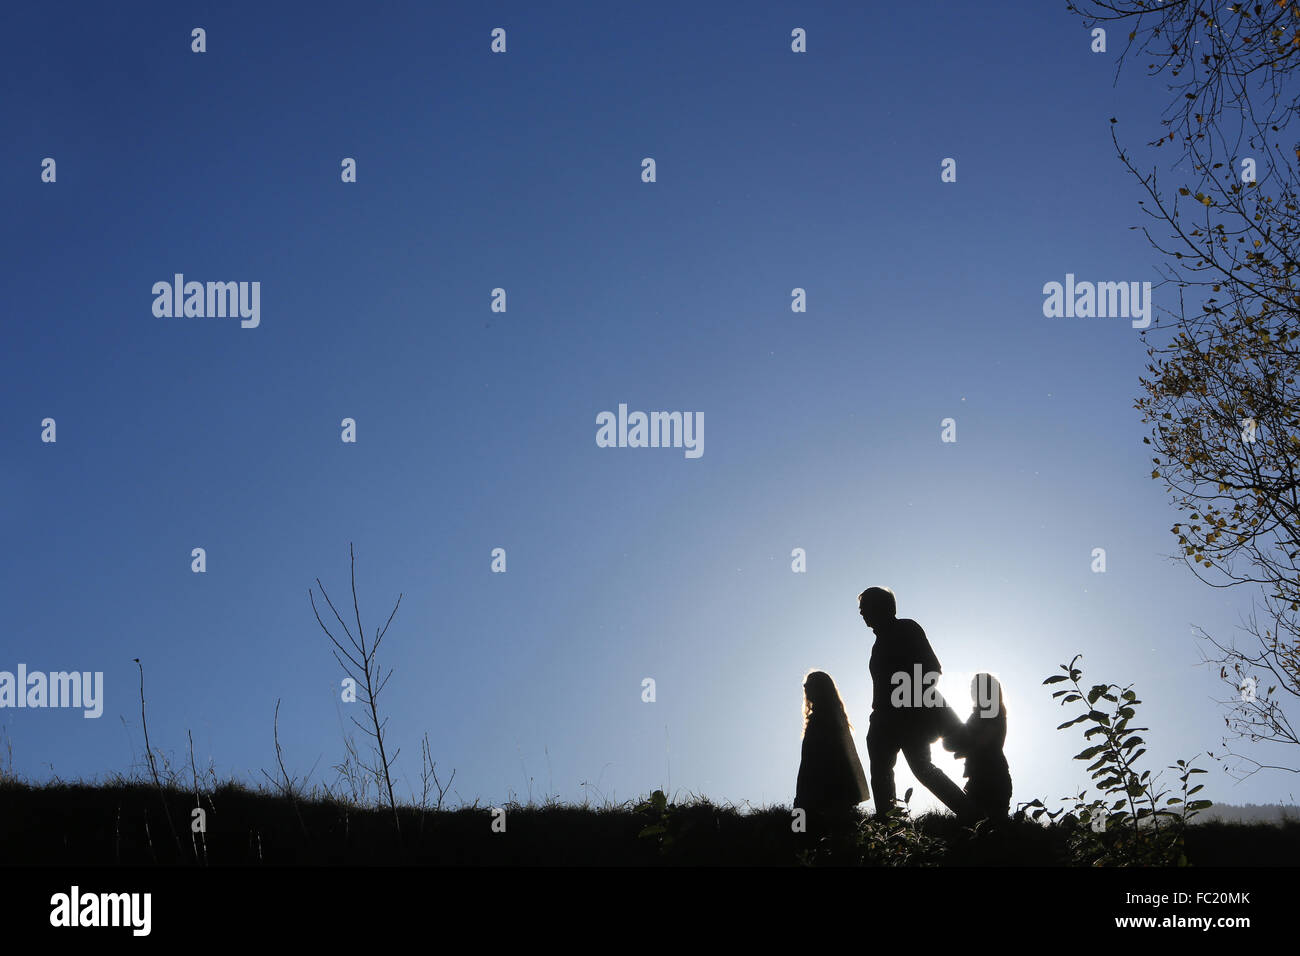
(905,716)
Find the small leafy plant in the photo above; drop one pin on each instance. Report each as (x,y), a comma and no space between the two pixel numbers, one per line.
(659,814)
(895,839)
(1132,821)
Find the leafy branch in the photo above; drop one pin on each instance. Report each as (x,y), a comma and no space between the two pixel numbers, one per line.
(1133,820)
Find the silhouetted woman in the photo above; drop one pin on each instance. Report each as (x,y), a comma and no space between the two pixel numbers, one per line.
(988,778)
(831,780)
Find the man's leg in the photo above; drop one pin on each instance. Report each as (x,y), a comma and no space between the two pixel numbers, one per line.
(882,753)
(934,779)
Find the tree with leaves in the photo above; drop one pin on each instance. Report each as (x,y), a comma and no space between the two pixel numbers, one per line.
(1220,391)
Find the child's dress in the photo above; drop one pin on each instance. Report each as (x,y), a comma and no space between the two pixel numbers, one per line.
(988,777)
(830,773)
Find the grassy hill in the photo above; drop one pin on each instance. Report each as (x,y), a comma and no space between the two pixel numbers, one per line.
(126,822)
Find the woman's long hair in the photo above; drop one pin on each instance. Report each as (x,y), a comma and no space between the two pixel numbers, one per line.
(822,697)
(982,688)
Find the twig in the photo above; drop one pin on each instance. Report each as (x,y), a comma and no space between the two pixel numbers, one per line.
(153,767)
(363,668)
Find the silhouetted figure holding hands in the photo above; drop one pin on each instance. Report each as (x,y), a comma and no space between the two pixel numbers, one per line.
(831,781)
(988,778)
(905,716)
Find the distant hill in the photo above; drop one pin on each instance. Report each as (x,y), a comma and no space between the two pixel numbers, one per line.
(1273,813)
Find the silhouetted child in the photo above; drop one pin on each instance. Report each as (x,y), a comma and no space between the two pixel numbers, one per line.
(831,780)
(988,778)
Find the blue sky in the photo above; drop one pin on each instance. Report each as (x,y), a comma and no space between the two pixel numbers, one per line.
(476,430)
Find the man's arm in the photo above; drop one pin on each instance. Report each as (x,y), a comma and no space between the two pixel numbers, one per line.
(925,653)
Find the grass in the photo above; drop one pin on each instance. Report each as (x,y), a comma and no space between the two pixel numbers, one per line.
(123,822)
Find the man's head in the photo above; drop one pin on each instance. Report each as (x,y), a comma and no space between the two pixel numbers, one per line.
(877,606)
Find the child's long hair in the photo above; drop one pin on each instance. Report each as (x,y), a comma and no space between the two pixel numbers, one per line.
(982,687)
(822,697)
